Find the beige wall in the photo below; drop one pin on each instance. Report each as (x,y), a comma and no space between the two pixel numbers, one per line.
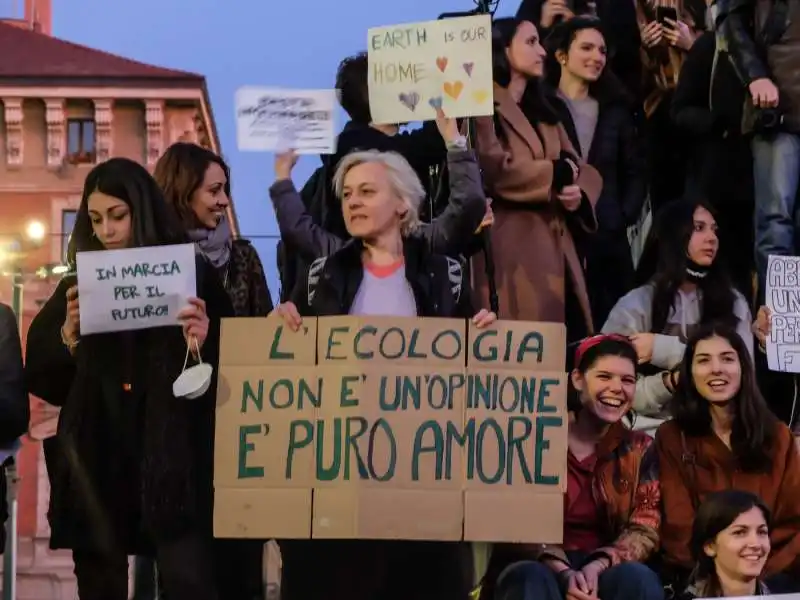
(128,131)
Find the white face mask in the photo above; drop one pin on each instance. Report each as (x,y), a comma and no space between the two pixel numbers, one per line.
(712,12)
(193,382)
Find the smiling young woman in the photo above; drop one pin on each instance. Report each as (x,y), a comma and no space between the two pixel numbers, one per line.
(611,507)
(724,436)
(730,545)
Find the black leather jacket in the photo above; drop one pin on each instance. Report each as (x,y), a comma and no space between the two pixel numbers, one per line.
(735,25)
(743,32)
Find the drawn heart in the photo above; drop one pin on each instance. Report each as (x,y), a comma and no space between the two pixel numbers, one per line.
(453,89)
(435,102)
(468,68)
(480,96)
(441,62)
(409,100)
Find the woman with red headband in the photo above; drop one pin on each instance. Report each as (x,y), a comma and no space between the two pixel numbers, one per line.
(612,504)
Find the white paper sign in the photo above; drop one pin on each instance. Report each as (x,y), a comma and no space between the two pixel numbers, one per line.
(274,120)
(121,290)
(417,67)
(783,299)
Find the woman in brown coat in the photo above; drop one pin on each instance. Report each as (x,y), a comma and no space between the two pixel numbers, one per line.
(540,191)
(723,436)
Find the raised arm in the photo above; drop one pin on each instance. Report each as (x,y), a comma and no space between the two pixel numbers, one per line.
(453,232)
(297,228)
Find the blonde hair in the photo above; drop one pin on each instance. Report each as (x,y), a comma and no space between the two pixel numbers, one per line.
(402,179)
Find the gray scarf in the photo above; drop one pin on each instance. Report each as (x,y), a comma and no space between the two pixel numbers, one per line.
(215,244)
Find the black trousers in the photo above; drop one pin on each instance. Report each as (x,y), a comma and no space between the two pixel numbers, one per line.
(185,566)
(238,566)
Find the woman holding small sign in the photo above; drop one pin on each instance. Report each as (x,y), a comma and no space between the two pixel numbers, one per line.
(131,471)
(612,505)
(389,270)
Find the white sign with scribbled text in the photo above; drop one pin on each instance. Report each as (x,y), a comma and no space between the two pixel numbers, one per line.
(273,120)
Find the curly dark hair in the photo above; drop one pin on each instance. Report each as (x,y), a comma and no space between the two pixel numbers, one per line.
(351,84)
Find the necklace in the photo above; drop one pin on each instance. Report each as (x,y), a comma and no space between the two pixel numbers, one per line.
(225,276)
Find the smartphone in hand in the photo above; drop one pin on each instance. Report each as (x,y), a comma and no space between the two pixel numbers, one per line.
(666,12)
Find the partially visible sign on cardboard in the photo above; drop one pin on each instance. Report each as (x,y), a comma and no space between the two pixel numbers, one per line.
(390,428)
(783,299)
(277,120)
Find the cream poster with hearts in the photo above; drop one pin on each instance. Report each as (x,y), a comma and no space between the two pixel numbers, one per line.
(417,67)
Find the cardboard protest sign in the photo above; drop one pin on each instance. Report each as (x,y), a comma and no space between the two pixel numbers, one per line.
(415,68)
(783,299)
(276,120)
(139,288)
(390,428)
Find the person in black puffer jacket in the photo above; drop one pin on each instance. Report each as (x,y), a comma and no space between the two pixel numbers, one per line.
(387,268)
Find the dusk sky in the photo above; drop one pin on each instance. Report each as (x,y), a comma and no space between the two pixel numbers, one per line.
(296,44)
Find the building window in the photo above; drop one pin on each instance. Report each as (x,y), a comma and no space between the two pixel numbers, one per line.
(67,224)
(80,141)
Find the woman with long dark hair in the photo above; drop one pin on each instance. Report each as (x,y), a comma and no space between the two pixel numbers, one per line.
(611,507)
(730,545)
(690,288)
(196,182)
(541,190)
(133,463)
(723,435)
(596,113)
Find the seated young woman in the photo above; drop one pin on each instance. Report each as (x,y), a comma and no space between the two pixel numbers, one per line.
(385,269)
(729,545)
(689,288)
(724,436)
(611,508)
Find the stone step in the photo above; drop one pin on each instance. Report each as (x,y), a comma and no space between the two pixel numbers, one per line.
(44,586)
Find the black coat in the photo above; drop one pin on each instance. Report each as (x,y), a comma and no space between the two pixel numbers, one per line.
(126,468)
(14,405)
(438,282)
(15,409)
(617,153)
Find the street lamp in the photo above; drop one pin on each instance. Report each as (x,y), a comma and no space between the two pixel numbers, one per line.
(35,231)
(34,234)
